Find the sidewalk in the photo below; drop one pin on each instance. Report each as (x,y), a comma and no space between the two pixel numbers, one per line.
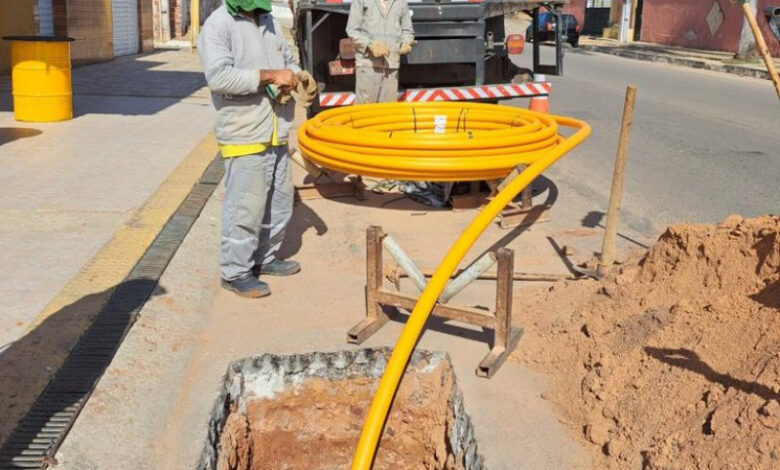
(694,58)
(71,196)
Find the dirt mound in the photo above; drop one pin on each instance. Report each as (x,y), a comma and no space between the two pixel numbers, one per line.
(673,361)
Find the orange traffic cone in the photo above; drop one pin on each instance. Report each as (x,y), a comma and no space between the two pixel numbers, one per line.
(540,104)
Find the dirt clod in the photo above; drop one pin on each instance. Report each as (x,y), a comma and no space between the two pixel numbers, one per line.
(672,361)
(597,432)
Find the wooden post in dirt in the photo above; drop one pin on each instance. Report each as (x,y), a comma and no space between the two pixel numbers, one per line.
(750,15)
(608,247)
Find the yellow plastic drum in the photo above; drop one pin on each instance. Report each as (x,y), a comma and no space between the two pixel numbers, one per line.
(40,76)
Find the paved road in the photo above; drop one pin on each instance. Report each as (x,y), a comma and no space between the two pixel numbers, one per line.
(704,144)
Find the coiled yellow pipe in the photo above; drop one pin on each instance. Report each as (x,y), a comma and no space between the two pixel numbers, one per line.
(408,141)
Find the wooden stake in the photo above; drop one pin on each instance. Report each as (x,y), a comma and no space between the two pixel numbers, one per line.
(608,248)
(750,15)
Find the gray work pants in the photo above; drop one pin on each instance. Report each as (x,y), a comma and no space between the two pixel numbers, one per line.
(258,205)
(376,85)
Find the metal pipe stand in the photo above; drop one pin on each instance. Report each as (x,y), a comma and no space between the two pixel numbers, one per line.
(505,336)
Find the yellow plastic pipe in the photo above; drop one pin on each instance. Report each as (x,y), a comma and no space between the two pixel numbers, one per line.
(360,140)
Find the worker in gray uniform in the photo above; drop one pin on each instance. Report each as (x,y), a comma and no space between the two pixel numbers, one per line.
(382,32)
(250,69)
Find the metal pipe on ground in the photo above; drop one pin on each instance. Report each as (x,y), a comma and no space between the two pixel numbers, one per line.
(404,261)
(467,277)
(396,274)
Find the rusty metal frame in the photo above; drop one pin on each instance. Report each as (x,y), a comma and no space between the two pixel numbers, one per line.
(352,187)
(505,336)
(325,183)
(523,214)
(519,215)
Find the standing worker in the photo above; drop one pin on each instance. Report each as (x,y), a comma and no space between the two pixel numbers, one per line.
(382,33)
(251,74)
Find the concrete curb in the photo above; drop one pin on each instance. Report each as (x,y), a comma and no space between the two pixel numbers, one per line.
(692,63)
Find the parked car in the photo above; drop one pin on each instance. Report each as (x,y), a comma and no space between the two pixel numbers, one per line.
(546,30)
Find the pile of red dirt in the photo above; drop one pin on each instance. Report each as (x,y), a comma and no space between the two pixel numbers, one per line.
(672,361)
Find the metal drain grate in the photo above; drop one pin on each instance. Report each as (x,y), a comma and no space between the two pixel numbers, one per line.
(38,435)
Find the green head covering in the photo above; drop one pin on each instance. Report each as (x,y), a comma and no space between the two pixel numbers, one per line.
(249,6)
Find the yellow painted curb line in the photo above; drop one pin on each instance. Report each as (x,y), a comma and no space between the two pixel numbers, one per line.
(111,265)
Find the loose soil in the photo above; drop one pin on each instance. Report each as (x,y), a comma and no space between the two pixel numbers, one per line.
(672,361)
(316,425)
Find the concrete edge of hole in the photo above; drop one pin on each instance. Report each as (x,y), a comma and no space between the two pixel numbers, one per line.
(268,374)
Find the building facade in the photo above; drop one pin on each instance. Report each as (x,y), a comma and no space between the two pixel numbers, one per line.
(172,18)
(699,24)
(102,29)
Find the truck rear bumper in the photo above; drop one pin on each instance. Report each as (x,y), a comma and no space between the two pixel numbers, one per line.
(502,91)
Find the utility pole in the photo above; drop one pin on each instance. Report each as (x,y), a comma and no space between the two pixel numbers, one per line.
(747,42)
(625,21)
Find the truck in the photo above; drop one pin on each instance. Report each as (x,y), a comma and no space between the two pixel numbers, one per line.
(462,51)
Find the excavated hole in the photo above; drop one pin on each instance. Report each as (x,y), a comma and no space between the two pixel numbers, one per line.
(306,411)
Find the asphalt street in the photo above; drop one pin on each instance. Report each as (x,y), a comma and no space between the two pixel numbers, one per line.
(703,144)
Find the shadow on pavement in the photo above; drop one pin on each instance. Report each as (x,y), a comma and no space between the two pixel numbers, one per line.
(593,219)
(44,366)
(9,134)
(163,78)
(441,325)
(303,218)
(559,250)
(539,186)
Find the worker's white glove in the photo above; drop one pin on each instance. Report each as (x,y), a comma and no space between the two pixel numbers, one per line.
(406,47)
(306,91)
(378,49)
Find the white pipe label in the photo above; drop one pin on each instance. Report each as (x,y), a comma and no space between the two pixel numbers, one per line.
(439,124)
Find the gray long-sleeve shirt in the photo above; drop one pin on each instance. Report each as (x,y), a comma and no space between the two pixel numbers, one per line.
(233,49)
(368,23)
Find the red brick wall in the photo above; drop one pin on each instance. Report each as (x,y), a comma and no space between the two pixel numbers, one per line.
(684,23)
(577,8)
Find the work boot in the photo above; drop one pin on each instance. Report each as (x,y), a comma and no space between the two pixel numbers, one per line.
(247,286)
(278,267)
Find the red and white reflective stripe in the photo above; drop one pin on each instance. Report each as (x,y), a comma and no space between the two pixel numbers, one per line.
(336,99)
(408,1)
(420,95)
